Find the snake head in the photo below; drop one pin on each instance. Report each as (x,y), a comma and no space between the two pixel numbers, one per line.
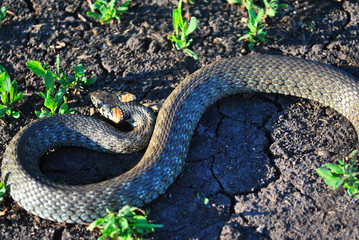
(112,105)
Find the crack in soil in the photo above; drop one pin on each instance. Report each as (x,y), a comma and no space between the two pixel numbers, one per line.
(30,5)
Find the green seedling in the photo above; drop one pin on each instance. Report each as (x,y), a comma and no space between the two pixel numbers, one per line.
(126,224)
(3,189)
(3,12)
(107,10)
(272,7)
(53,101)
(343,174)
(9,95)
(205,200)
(77,82)
(182,30)
(256,30)
(255,20)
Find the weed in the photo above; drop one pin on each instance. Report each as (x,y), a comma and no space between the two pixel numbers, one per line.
(254,23)
(57,101)
(343,174)
(182,30)
(53,102)
(3,12)
(126,224)
(107,10)
(272,7)
(256,30)
(205,200)
(9,95)
(3,189)
(76,82)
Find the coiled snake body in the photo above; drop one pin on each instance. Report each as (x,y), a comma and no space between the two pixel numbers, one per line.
(168,146)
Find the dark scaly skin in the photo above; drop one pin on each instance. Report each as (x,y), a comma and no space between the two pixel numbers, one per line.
(167,150)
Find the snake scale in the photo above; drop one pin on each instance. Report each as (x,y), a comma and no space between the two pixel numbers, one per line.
(168,146)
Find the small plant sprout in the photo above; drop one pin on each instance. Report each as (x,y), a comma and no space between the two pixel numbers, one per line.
(182,30)
(76,82)
(126,224)
(57,102)
(107,10)
(9,95)
(256,30)
(256,18)
(343,174)
(271,7)
(53,101)
(3,12)
(3,189)
(205,200)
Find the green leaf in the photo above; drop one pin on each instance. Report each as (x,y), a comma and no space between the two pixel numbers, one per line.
(112,4)
(341,162)
(71,111)
(5,99)
(2,85)
(123,7)
(49,82)
(36,68)
(2,111)
(179,15)
(98,222)
(282,5)
(8,111)
(335,183)
(15,114)
(352,154)
(44,112)
(260,16)
(91,81)
(3,10)
(13,91)
(96,5)
(335,168)
(94,14)
(175,21)
(271,12)
(103,10)
(192,25)
(18,97)
(6,79)
(351,191)
(50,104)
(58,97)
(252,28)
(325,173)
(244,37)
(178,45)
(58,64)
(63,108)
(191,53)
(42,95)
(79,70)
(7,83)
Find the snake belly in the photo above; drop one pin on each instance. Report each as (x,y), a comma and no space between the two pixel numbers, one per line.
(168,146)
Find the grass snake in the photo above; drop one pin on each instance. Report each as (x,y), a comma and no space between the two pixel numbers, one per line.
(168,146)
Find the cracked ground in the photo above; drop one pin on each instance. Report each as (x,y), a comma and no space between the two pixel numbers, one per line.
(253,156)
